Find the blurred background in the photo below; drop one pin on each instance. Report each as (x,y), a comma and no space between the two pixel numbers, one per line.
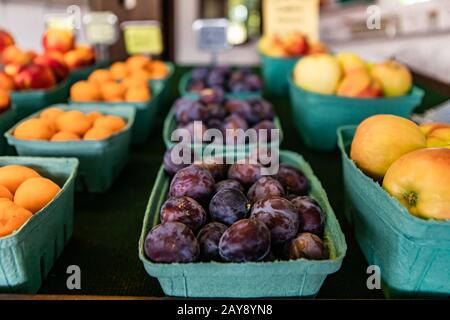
(416,32)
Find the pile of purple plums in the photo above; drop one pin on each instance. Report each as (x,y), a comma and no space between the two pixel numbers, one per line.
(226,115)
(225,78)
(217,212)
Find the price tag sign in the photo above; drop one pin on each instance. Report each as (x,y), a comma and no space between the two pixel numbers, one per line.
(212,34)
(60,21)
(101,27)
(143,37)
(282,16)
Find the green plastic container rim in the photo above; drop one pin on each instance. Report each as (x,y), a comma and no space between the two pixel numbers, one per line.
(331,265)
(169,127)
(399,207)
(25,229)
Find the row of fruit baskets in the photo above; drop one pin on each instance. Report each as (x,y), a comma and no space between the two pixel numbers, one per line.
(219,228)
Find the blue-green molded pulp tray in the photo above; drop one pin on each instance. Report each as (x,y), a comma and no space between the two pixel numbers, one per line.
(100,161)
(7,120)
(317,116)
(184,81)
(29,101)
(253,279)
(146,112)
(413,254)
(27,255)
(275,71)
(170,124)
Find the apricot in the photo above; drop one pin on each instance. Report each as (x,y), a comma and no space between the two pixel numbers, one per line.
(50,115)
(130,82)
(113,91)
(6,82)
(138,94)
(158,69)
(137,62)
(85,91)
(12,176)
(33,129)
(73,121)
(112,122)
(354,83)
(141,74)
(12,218)
(98,133)
(65,136)
(36,193)
(118,70)
(5,99)
(5,193)
(94,115)
(100,76)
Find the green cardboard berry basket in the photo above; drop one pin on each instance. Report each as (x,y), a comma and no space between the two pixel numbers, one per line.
(413,254)
(7,120)
(82,73)
(170,124)
(100,161)
(184,81)
(317,116)
(274,71)
(146,112)
(31,101)
(252,279)
(27,255)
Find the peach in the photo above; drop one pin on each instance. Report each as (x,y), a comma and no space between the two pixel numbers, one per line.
(6,82)
(272,46)
(14,55)
(73,121)
(33,129)
(317,47)
(34,76)
(382,139)
(6,40)
(86,53)
(395,79)
(350,62)
(85,91)
(354,83)
(428,127)
(295,43)
(55,62)
(12,176)
(420,180)
(58,40)
(65,136)
(35,193)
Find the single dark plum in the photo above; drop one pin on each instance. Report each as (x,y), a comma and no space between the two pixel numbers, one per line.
(311,215)
(246,240)
(214,123)
(307,245)
(196,85)
(185,210)
(293,180)
(265,125)
(199,73)
(171,242)
(246,174)
(210,96)
(208,238)
(228,206)
(238,86)
(243,109)
(215,166)
(265,187)
(186,112)
(192,181)
(169,166)
(263,109)
(228,184)
(253,82)
(279,215)
(215,78)
(231,127)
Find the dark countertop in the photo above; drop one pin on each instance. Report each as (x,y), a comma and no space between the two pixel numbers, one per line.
(107,226)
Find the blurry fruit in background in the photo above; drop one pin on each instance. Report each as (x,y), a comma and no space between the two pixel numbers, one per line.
(351,62)
(33,76)
(395,79)
(290,44)
(113,91)
(5,100)
(382,139)
(58,40)
(55,62)
(6,82)
(85,91)
(100,76)
(317,47)
(73,121)
(14,55)
(65,136)
(272,46)
(33,129)
(119,70)
(79,57)
(138,94)
(112,122)
(137,62)
(420,180)
(6,40)
(98,133)
(318,73)
(157,69)
(358,83)
(295,43)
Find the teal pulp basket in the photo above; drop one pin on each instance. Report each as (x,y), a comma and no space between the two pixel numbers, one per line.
(100,161)
(27,255)
(317,116)
(300,278)
(275,71)
(413,254)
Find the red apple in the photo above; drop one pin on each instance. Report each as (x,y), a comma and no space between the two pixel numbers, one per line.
(58,40)
(295,43)
(55,62)
(33,76)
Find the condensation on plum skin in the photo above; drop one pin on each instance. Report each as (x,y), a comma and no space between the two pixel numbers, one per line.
(208,238)
(293,180)
(246,174)
(193,182)
(307,245)
(311,215)
(228,206)
(279,215)
(265,187)
(185,210)
(171,242)
(246,240)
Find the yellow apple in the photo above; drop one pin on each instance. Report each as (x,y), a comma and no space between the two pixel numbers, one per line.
(382,139)
(394,78)
(440,133)
(318,73)
(428,127)
(420,180)
(350,62)
(437,143)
